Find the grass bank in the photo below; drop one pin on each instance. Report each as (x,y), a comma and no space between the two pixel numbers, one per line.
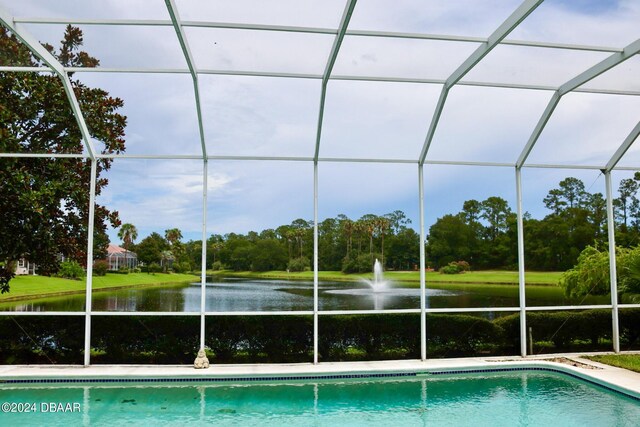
(412,278)
(626,361)
(26,287)
(542,287)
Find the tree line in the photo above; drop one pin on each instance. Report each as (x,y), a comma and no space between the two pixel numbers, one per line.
(344,244)
(484,233)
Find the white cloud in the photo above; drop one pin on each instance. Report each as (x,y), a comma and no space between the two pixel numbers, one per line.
(461,17)
(260,116)
(259,50)
(309,13)
(400,57)
(486,124)
(601,23)
(533,65)
(160,110)
(586,129)
(82,9)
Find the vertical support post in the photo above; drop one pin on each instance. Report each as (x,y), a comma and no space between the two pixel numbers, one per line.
(315,263)
(521,278)
(613,276)
(89,287)
(203,269)
(423,292)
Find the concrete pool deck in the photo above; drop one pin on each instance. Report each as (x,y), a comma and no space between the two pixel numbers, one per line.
(616,378)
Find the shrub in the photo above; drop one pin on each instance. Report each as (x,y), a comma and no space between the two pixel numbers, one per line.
(123,270)
(41,340)
(590,276)
(100,268)
(181,267)
(462,265)
(454,335)
(298,264)
(561,328)
(217,266)
(362,263)
(154,267)
(146,339)
(70,270)
(449,269)
(455,267)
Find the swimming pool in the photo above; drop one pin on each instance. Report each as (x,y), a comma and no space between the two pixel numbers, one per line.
(525,398)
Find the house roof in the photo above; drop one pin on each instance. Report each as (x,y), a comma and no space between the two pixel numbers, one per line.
(116,250)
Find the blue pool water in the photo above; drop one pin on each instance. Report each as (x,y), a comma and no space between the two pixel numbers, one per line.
(498,399)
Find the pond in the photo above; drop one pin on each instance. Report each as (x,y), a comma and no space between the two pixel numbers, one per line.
(233,294)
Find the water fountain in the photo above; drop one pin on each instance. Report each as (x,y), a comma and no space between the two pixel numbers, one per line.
(378,284)
(382,293)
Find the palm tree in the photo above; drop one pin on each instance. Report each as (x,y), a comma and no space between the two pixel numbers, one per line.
(128,234)
(298,230)
(348,228)
(173,235)
(284,231)
(298,234)
(215,248)
(383,224)
(359,229)
(370,227)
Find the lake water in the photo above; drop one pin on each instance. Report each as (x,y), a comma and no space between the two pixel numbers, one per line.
(232,294)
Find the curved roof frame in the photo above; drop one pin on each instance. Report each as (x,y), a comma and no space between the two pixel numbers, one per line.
(498,37)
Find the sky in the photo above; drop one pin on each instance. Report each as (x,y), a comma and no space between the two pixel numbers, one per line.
(266,116)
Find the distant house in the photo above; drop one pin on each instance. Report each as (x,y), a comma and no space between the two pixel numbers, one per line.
(24,266)
(118,257)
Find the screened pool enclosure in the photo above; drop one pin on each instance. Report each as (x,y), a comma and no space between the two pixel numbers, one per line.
(245,113)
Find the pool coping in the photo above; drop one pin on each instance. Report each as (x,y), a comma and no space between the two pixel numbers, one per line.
(610,377)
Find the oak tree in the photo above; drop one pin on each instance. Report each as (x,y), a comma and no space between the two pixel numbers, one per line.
(44,202)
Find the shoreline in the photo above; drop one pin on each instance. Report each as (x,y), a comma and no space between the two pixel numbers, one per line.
(11,299)
(408,282)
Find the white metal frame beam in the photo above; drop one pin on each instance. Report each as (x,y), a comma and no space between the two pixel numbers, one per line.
(186,50)
(626,144)
(363,78)
(89,279)
(423,274)
(496,37)
(613,275)
(320,312)
(184,45)
(314,30)
(333,55)
(320,160)
(521,265)
(582,78)
(34,45)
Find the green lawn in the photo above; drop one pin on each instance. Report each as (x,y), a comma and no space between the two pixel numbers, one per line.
(27,286)
(626,361)
(407,277)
